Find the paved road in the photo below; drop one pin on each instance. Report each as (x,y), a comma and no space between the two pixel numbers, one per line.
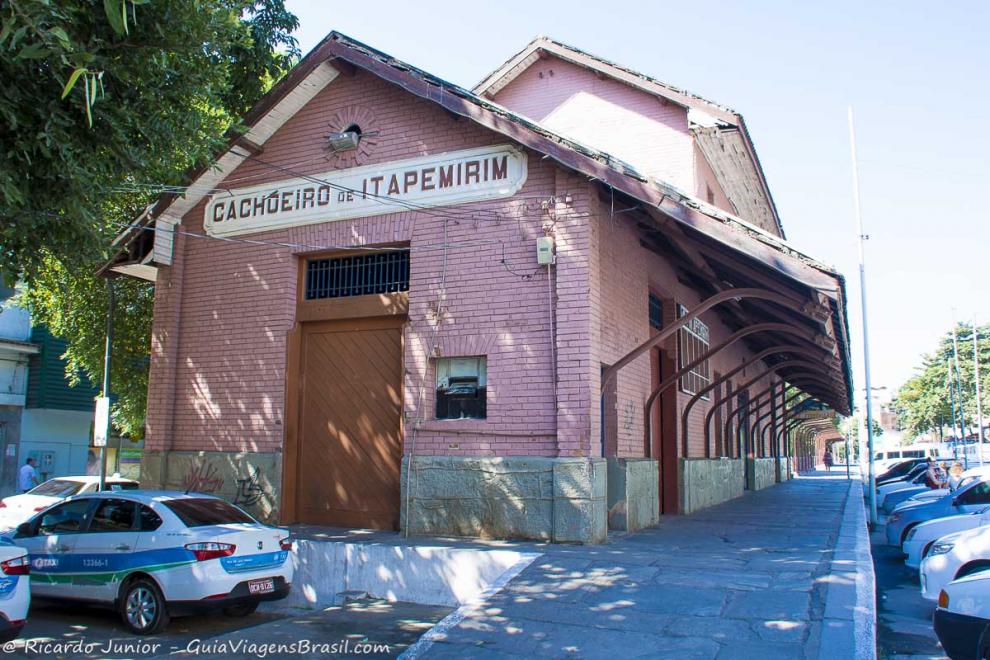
(369,628)
(904,618)
(75,631)
(740,580)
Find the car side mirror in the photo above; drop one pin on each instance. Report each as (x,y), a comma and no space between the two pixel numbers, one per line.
(24,529)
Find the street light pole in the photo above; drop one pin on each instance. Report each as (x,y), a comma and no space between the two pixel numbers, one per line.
(958,381)
(979,404)
(106,380)
(866,334)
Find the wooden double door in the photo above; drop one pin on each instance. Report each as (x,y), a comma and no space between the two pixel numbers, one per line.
(350,423)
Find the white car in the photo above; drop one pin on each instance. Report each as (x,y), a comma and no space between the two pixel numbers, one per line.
(926,496)
(922,537)
(156,554)
(918,481)
(17,508)
(954,556)
(963,617)
(15,590)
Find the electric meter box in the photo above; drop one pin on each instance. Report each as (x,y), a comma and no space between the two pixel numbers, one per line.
(544,251)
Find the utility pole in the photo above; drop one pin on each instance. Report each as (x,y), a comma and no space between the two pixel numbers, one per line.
(106,385)
(979,404)
(952,399)
(958,379)
(862,236)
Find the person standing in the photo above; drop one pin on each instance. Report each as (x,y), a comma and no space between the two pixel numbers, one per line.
(828,459)
(934,475)
(27,478)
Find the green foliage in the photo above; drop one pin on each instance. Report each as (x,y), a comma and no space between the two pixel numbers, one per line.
(924,402)
(103,102)
(83,323)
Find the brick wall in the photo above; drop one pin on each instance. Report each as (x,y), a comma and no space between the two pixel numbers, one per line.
(223,310)
(628,273)
(640,128)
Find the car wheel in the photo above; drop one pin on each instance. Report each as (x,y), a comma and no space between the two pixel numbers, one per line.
(143,608)
(240,610)
(983,648)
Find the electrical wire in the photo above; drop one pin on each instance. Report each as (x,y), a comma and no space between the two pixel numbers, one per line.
(311,247)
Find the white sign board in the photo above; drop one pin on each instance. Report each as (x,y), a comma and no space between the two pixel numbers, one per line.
(101,426)
(455,177)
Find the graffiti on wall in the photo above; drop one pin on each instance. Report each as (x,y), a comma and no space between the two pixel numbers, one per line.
(203,478)
(249,490)
(629,416)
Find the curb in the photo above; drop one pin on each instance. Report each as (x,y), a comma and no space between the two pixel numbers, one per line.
(438,632)
(849,626)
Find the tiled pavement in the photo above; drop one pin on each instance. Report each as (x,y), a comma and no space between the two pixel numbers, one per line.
(745,579)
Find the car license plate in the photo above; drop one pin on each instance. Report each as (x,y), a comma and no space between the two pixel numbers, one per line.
(265,586)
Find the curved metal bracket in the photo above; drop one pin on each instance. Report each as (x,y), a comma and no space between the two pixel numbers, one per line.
(806,309)
(756,358)
(746,410)
(729,341)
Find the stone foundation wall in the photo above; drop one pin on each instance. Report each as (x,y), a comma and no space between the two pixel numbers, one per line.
(528,497)
(762,472)
(253,481)
(707,482)
(633,493)
(783,469)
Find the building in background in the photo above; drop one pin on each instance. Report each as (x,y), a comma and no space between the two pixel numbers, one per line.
(41,415)
(557,303)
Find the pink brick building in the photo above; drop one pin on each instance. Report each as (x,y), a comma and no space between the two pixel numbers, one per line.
(397,302)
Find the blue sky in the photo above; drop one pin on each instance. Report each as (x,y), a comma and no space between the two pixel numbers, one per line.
(915,73)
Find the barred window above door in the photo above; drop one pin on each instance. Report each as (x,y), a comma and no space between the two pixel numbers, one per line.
(357,275)
(692,343)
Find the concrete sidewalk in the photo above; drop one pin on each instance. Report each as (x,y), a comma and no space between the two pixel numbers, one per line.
(781,573)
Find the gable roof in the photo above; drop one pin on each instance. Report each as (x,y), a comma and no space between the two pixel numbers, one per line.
(726,127)
(338,54)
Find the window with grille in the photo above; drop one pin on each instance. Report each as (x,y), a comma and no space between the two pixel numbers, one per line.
(357,275)
(656,312)
(461,388)
(693,342)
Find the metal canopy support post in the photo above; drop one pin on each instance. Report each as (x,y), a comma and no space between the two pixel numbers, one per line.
(672,380)
(784,415)
(807,363)
(796,381)
(738,412)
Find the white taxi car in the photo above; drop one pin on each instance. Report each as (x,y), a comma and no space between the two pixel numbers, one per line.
(922,537)
(15,590)
(17,508)
(963,616)
(954,556)
(156,554)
